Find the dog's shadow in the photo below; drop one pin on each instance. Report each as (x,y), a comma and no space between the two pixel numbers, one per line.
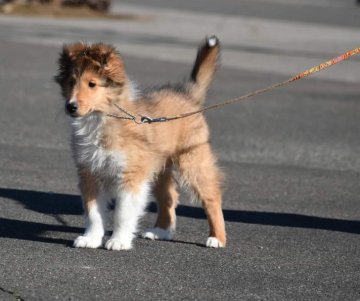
(47,203)
(57,204)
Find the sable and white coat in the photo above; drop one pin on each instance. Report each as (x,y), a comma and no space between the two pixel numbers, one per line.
(119,159)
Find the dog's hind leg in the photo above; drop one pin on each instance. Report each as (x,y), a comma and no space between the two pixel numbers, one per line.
(167,198)
(198,169)
(95,206)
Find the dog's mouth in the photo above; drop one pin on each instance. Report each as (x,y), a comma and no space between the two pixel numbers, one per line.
(72,115)
(73,110)
(78,114)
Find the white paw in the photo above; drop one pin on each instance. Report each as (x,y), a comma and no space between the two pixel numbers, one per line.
(118,244)
(213,242)
(158,233)
(87,242)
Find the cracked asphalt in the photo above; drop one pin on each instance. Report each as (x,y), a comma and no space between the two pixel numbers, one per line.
(291,157)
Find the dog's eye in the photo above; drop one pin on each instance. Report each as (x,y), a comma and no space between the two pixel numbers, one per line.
(92,84)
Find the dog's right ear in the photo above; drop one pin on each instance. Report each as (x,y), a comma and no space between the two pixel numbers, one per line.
(76,49)
(66,60)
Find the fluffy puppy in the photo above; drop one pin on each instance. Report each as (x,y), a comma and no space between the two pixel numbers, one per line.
(119,159)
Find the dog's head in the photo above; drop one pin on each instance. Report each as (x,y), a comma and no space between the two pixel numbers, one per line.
(90,77)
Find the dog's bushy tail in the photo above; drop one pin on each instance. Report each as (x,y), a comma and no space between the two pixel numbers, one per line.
(204,68)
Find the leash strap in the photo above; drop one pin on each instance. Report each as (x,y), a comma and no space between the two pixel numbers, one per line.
(306,73)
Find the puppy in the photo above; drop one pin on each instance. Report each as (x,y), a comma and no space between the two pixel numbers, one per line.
(122,160)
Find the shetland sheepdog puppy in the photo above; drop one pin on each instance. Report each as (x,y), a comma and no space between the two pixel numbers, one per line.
(122,160)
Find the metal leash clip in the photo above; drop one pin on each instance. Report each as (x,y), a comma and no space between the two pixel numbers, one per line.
(146,119)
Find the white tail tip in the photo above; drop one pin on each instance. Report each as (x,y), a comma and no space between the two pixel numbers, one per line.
(212,41)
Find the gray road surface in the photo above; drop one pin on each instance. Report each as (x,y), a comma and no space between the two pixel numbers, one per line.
(291,157)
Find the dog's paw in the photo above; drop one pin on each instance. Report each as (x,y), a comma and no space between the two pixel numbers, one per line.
(87,242)
(118,244)
(158,233)
(213,242)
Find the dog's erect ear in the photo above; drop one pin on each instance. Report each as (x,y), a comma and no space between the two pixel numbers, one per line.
(110,62)
(114,68)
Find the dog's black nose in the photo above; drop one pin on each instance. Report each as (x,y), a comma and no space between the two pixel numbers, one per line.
(71,107)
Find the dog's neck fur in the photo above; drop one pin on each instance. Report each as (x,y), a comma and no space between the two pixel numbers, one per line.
(88,151)
(86,135)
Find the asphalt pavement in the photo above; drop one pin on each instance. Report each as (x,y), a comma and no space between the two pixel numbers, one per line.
(291,157)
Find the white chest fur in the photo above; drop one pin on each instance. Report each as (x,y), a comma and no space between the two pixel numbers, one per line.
(88,151)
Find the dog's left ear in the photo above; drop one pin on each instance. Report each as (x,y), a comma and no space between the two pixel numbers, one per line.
(114,68)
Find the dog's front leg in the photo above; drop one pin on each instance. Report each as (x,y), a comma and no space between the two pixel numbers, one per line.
(130,206)
(95,206)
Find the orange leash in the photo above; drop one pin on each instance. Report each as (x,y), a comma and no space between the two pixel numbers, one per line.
(306,73)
